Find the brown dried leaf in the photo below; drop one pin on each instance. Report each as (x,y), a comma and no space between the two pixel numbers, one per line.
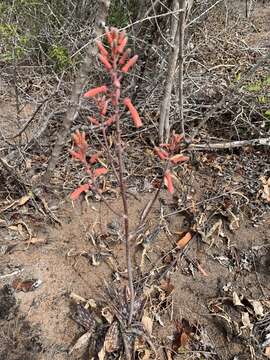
(257,307)
(266,188)
(81,344)
(111,342)
(102,354)
(146,355)
(37,240)
(106,313)
(23,200)
(267,352)
(236,299)
(25,285)
(184,240)
(147,324)
(246,321)
(167,286)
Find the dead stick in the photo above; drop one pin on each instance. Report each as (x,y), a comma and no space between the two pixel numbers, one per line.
(182,5)
(164,124)
(230,144)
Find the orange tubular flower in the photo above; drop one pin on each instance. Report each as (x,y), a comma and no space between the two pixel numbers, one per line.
(101,48)
(129,64)
(168,181)
(76,193)
(134,113)
(124,57)
(105,62)
(93,121)
(96,91)
(100,171)
(109,37)
(122,45)
(121,37)
(162,154)
(178,158)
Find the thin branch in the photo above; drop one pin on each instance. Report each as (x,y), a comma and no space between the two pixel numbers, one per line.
(230,144)
(32,117)
(239,84)
(205,12)
(182,5)
(164,125)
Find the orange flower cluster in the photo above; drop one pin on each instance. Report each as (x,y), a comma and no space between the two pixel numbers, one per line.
(117,62)
(81,154)
(166,152)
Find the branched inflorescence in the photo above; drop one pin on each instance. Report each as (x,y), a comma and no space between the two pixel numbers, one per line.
(116,61)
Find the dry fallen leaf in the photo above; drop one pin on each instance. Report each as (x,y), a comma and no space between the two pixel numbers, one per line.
(184,240)
(236,299)
(106,313)
(111,342)
(37,240)
(147,324)
(25,285)
(257,307)
(267,352)
(102,354)
(167,286)
(23,200)
(81,344)
(246,321)
(266,188)
(146,355)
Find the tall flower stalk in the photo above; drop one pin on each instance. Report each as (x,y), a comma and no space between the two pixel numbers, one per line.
(117,62)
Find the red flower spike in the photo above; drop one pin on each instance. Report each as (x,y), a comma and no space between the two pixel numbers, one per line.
(101,48)
(76,193)
(176,159)
(105,62)
(93,121)
(162,154)
(100,171)
(134,113)
(94,158)
(122,45)
(96,91)
(124,57)
(168,181)
(129,64)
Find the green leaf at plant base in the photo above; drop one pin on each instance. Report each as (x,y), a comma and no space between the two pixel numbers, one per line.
(267,113)
(254,87)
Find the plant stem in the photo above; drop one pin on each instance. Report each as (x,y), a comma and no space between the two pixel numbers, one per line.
(126,217)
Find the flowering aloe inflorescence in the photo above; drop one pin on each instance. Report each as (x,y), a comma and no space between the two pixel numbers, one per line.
(116,61)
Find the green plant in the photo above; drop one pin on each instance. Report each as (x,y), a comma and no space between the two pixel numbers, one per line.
(118,17)
(60,56)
